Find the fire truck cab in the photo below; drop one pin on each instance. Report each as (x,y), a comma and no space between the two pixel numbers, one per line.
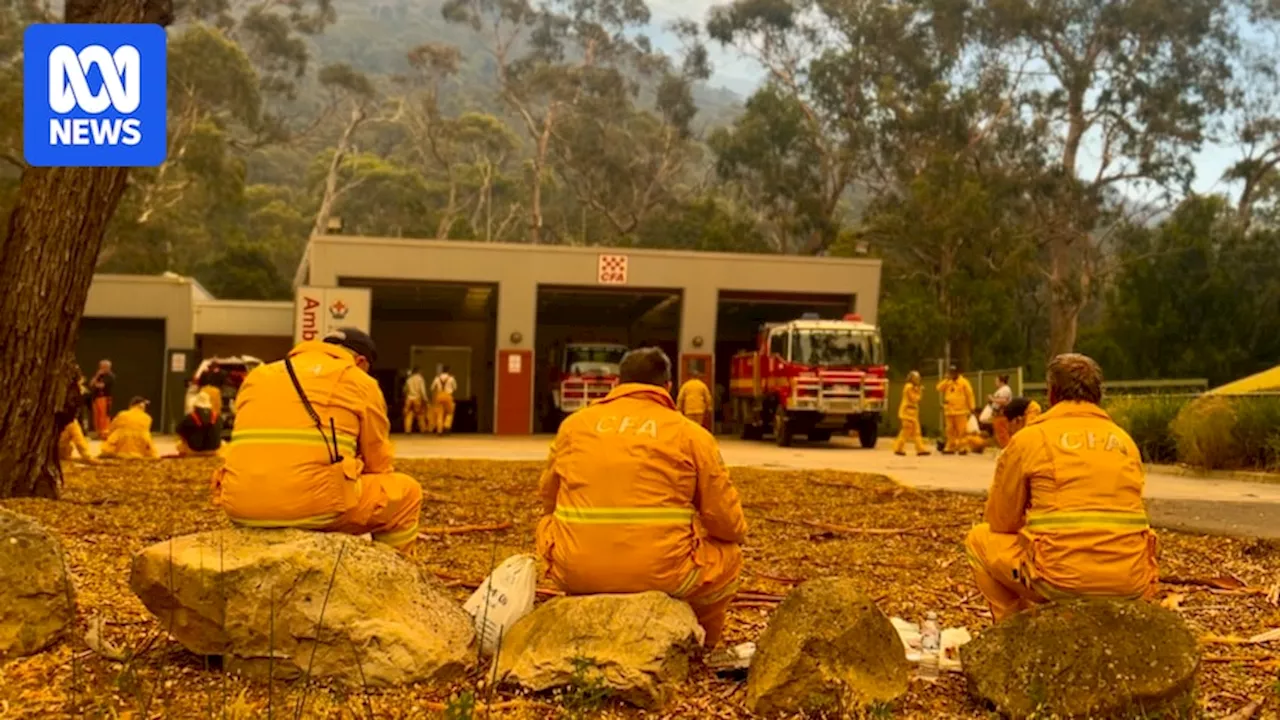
(811,377)
(586,372)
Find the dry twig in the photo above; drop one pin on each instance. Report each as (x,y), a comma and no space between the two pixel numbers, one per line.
(424,533)
(1246,712)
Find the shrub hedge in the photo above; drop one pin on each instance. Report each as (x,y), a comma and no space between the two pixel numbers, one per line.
(1209,432)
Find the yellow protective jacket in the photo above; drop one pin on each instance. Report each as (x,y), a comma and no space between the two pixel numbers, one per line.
(1070,485)
(631,490)
(72,436)
(910,407)
(694,397)
(278,467)
(957,396)
(1033,411)
(129,435)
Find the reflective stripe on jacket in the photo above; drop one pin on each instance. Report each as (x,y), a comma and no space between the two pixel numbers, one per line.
(1070,484)
(278,468)
(631,487)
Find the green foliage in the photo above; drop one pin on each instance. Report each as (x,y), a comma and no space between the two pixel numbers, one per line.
(1223,322)
(244,271)
(1149,421)
(587,692)
(1226,433)
(461,706)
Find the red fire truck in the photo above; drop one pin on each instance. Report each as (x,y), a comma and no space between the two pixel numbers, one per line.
(587,372)
(811,377)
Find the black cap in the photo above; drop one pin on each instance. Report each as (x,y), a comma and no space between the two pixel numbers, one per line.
(1016,408)
(138,400)
(355,340)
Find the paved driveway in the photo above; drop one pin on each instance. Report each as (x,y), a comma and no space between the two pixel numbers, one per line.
(1218,506)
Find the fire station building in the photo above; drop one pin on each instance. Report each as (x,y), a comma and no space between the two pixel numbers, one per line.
(498,314)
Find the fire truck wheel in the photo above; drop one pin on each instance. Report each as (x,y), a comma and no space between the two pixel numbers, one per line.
(781,429)
(868,433)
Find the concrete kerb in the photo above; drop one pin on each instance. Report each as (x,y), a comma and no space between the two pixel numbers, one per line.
(1239,475)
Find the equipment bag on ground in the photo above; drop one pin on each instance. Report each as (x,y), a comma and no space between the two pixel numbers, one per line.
(503,598)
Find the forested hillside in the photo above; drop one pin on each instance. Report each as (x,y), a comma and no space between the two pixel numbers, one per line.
(1023,168)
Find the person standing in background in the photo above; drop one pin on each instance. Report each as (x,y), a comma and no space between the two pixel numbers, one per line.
(694,402)
(909,417)
(999,400)
(957,406)
(442,389)
(101,387)
(415,402)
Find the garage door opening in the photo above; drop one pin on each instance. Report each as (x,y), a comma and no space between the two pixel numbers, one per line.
(427,326)
(741,315)
(582,333)
(136,349)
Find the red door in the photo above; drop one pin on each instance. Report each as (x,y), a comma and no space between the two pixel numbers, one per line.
(515,393)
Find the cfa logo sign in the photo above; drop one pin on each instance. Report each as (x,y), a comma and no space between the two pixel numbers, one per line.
(94,95)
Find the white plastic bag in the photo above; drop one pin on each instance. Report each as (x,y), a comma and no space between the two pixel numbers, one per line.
(503,598)
(972,427)
(987,413)
(950,640)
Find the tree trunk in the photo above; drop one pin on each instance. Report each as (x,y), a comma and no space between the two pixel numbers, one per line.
(47,258)
(539,162)
(321,226)
(1065,298)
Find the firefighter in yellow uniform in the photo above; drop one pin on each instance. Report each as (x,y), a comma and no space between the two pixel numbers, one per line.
(694,401)
(1019,413)
(442,389)
(415,402)
(129,435)
(311,447)
(957,406)
(636,497)
(909,417)
(72,436)
(1064,516)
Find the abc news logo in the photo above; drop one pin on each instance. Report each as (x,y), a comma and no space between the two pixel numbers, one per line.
(94,95)
(69,89)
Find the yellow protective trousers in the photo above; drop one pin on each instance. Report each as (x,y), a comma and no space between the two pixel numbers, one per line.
(1000,569)
(442,413)
(910,433)
(709,579)
(415,409)
(389,508)
(957,431)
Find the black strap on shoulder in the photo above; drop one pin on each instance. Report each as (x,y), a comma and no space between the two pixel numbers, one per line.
(335,456)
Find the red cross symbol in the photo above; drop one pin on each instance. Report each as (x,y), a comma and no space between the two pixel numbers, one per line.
(338,310)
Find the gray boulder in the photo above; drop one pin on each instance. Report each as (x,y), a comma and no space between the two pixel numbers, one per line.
(37,601)
(263,598)
(1092,659)
(827,647)
(633,647)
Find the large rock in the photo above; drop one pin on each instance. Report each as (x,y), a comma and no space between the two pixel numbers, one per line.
(37,603)
(638,646)
(1091,659)
(249,595)
(827,647)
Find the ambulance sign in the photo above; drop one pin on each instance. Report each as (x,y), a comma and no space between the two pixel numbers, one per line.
(319,310)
